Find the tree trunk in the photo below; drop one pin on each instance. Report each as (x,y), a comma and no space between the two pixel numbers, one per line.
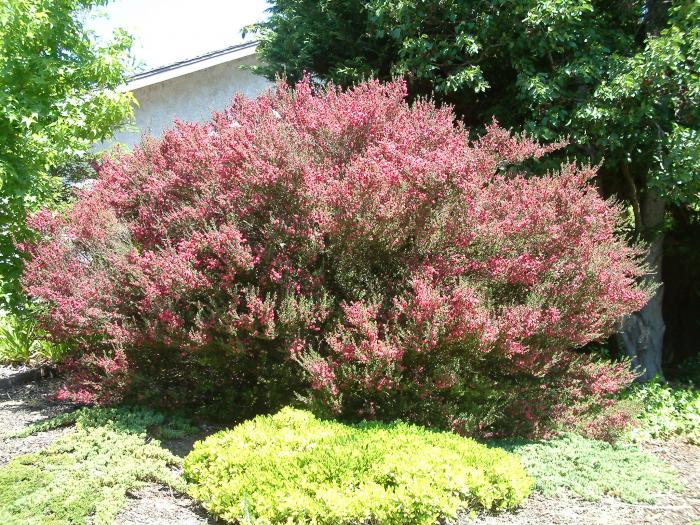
(642,333)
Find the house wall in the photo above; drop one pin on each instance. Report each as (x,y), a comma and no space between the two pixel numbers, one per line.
(191,97)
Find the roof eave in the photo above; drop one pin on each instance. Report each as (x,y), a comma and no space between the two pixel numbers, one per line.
(185,67)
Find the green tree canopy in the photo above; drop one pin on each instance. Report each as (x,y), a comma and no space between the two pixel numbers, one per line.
(621,80)
(58,97)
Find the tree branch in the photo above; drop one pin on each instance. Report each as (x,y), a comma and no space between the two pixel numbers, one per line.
(634,197)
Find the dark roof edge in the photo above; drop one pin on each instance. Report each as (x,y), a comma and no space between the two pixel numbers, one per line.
(190,61)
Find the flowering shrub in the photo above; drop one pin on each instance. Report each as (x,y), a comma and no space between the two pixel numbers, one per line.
(409,271)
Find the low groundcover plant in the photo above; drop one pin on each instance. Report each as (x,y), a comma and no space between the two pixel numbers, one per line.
(348,246)
(667,411)
(591,469)
(295,468)
(86,475)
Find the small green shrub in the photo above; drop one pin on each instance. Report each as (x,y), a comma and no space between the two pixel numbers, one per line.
(84,477)
(591,469)
(667,411)
(295,468)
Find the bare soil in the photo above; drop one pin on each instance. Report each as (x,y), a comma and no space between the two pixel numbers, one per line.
(155,505)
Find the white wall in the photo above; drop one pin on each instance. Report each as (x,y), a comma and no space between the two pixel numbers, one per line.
(191,97)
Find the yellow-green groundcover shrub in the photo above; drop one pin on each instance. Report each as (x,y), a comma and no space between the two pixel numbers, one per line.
(294,468)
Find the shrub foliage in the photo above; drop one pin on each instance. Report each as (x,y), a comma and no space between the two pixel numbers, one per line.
(294,468)
(59,96)
(411,272)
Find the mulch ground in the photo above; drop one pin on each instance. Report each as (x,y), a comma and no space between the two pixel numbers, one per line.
(154,505)
(21,406)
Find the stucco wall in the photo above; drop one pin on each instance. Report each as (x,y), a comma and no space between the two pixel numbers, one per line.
(191,97)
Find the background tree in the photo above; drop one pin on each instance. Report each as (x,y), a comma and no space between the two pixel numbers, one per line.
(57,98)
(618,78)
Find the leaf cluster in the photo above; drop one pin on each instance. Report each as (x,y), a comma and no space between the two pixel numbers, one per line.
(667,411)
(619,79)
(22,342)
(58,96)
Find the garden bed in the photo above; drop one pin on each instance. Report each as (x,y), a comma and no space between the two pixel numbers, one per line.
(669,507)
(23,405)
(27,404)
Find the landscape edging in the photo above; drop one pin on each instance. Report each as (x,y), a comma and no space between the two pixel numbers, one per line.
(27,376)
